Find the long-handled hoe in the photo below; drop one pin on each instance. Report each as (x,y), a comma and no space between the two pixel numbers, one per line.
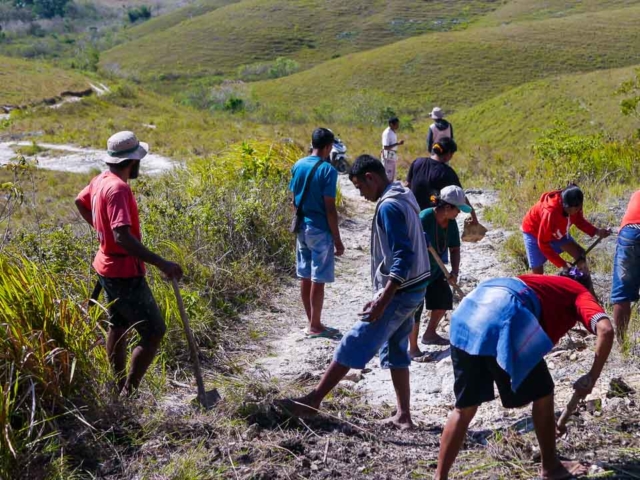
(442,266)
(206,398)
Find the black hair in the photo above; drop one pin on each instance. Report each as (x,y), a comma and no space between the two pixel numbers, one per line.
(572,196)
(393,120)
(322,137)
(444,146)
(437,202)
(575,274)
(122,165)
(366,164)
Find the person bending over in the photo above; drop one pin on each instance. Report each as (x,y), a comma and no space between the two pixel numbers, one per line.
(500,334)
(545,229)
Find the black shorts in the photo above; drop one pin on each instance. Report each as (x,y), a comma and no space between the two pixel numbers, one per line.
(133,306)
(438,297)
(476,374)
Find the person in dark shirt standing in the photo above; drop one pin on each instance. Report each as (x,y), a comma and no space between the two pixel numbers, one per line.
(429,175)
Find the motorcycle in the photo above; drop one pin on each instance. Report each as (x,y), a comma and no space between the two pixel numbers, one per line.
(338,156)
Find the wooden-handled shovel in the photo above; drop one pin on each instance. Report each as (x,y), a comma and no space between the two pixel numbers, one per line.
(206,399)
(442,266)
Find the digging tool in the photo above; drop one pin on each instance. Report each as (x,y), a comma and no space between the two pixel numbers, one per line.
(567,412)
(473,232)
(206,398)
(591,247)
(442,266)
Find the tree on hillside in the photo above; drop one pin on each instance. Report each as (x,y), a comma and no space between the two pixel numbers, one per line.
(44,8)
(630,106)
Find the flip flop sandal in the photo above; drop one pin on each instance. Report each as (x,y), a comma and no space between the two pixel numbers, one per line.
(425,357)
(438,343)
(331,335)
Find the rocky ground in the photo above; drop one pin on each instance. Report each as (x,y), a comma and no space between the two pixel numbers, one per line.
(247,437)
(292,355)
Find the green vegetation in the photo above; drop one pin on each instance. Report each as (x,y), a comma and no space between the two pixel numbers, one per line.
(585,103)
(251,31)
(25,82)
(223,218)
(524,10)
(141,13)
(465,67)
(41,8)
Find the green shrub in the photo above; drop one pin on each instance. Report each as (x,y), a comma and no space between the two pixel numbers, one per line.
(142,13)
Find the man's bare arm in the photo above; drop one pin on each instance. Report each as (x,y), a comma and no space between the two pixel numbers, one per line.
(132,245)
(332,219)
(84,212)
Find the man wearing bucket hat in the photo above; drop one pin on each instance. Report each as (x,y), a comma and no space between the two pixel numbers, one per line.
(108,205)
(439,129)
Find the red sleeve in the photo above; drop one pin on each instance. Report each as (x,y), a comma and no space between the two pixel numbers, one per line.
(589,311)
(545,236)
(85,197)
(118,207)
(583,224)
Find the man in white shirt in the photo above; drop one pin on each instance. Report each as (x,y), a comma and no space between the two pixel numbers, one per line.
(390,143)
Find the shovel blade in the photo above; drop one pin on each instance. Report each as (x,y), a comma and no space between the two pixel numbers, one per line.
(473,232)
(208,401)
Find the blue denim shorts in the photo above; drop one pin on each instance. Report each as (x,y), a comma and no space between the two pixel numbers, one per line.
(389,335)
(534,254)
(315,255)
(626,267)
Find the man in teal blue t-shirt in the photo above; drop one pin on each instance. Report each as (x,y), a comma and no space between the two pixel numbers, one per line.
(319,238)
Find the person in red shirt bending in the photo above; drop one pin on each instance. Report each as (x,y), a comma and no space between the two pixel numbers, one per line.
(499,335)
(108,205)
(546,225)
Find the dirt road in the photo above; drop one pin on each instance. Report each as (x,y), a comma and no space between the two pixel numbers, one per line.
(291,354)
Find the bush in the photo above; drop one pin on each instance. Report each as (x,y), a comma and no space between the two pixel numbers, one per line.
(142,13)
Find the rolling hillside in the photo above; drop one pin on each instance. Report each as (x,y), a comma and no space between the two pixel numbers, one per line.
(586,103)
(166,21)
(460,69)
(308,31)
(523,10)
(24,82)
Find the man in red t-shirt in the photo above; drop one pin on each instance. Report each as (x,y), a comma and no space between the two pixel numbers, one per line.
(626,267)
(108,205)
(500,334)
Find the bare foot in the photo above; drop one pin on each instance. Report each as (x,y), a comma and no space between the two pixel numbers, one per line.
(298,407)
(434,339)
(403,422)
(565,469)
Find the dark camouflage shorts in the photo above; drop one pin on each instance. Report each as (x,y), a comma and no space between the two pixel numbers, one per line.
(134,306)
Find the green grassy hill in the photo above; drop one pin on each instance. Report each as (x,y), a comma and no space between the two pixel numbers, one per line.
(23,82)
(586,103)
(164,22)
(308,31)
(523,10)
(457,69)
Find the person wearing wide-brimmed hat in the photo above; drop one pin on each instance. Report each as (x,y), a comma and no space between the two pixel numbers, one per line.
(439,129)
(108,205)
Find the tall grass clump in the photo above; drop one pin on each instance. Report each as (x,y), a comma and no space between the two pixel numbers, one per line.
(225,219)
(50,358)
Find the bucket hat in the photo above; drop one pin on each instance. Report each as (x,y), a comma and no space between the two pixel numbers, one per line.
(125,146)
(437,113)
